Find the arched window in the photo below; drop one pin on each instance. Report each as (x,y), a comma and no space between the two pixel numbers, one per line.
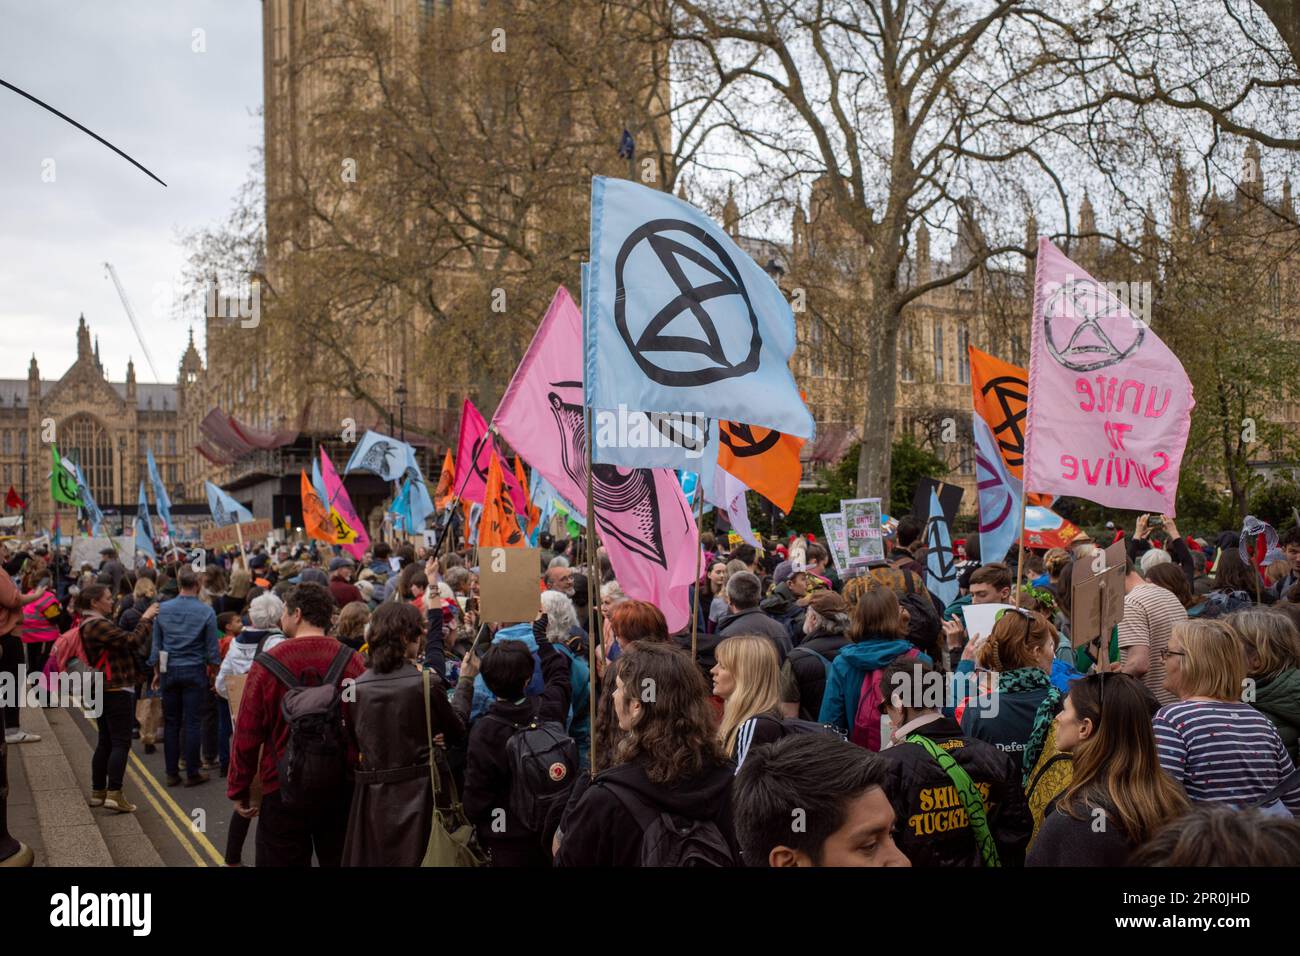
(86,441)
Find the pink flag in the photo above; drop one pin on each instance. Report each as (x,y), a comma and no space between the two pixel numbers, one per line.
(341,503)
(1109,404)
(644,521)
(473,454)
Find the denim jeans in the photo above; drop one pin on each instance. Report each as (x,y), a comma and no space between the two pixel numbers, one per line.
(108,763)
(183,691)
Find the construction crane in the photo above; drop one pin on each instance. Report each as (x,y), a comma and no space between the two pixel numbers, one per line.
(130,314)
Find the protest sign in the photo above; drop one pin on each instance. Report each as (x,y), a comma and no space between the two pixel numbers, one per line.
(227,536)
(862,530)
(980,618)
(1097,594)
(86,550)
(509,584)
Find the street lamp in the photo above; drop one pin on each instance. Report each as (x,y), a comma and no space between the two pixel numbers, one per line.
(401,402)
(121,476)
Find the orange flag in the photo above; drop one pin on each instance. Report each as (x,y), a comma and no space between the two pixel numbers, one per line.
(315,520)
(445,491)
(1000,395)
(499,526)
(534,512)
(764,460)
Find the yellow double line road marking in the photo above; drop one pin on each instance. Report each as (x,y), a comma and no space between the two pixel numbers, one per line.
(140,773)
(187,823)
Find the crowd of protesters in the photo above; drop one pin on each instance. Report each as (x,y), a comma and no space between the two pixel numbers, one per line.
(363,713)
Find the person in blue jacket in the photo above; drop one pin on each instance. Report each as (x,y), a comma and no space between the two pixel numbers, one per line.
(876,633)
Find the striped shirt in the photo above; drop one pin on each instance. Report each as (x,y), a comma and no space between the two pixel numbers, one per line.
(1226,752)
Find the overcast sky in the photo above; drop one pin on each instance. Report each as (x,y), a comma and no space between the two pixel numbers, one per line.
(127,70)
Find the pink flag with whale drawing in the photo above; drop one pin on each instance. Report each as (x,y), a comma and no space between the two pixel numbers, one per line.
(644,521)
(1109,404)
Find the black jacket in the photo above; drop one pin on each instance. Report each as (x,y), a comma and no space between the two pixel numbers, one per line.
(804,675)
(487,766)
(932,826)
(783,607)
(1065,841)
(598,829)
(754,621)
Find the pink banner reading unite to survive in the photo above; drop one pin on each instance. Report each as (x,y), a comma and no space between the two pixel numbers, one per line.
(644,521)
(1109,404)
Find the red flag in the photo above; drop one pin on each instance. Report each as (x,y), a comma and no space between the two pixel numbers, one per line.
(13,501)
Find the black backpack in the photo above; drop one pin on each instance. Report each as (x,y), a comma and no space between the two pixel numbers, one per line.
(543,767)
(797,725)
(670,840)
(313,768)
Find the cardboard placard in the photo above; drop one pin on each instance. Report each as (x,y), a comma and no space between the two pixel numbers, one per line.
(1097,594)
(509,584)
(226,536)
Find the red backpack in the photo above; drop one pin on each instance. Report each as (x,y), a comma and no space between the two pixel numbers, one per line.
(866,722)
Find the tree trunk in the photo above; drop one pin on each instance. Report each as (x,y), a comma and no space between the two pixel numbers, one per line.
(881,397)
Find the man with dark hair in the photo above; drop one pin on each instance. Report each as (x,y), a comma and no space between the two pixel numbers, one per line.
(814,800)
(185,644)
(286,836)
(931,798)
(1289,542)
(744,591)
(749,554)
(507,668)
(379,559)
(905,536)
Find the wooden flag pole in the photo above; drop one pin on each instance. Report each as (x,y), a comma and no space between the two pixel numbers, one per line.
(1020,562)
(699,556)
(592,570)
(239,533)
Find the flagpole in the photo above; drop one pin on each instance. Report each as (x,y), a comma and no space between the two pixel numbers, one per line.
(1020,562)
(592,566)
(239,533)
(699,555)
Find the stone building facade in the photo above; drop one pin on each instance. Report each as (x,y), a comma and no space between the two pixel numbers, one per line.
(104,425)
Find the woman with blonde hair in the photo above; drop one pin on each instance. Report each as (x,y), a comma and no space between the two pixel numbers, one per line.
(1105,726)
(747,676)
(1272,645)
(1220,749)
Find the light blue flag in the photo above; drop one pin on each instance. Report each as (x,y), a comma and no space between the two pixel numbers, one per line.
(400,508)
(678,318)
(160,499)
(411,506)
(386,457)
(144,528)
(225,509)
(547,498)
(318,484)
(93,514)
(940,562)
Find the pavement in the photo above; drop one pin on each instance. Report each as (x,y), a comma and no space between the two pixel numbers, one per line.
(49,783)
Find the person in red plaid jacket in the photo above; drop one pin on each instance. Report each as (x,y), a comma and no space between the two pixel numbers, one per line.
(115,653)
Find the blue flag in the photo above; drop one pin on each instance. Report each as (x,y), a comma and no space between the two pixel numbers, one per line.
(386,457)
(93,514)
(411,506)
(318,484)
(144,528)
(225,509)
(679,319)
(940,562)
(160,499)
